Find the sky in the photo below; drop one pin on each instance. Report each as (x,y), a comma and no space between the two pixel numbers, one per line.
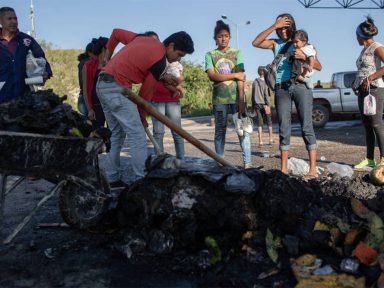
(72,24)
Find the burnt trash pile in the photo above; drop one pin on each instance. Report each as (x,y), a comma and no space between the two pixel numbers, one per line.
(43,112)
(250,228)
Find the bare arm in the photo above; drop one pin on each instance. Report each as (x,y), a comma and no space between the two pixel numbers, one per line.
(240,87)
(379,52)
(146,91)
(261,41)
(216,77)
(298,54)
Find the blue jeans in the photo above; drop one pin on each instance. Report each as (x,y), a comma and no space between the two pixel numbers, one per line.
(81,106)
(303,99)
(123,120)
(173,112)
(220,112)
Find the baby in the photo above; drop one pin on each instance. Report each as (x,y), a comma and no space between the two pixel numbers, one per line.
(303,70)
(175,69)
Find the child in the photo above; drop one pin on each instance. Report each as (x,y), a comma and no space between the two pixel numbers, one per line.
(303,70)
(225,68)
(175,69)
(261,105)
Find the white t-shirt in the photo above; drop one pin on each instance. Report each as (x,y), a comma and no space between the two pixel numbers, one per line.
(175,69)
(309,51)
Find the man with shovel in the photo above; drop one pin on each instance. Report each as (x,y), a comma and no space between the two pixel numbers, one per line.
(142,60)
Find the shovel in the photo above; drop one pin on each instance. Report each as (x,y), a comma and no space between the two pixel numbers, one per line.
(155,145)
(167,122)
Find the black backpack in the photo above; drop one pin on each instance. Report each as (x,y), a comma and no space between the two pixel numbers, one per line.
(271,69)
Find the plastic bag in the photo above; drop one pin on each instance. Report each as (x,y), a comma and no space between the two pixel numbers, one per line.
(35,66)
(369,105)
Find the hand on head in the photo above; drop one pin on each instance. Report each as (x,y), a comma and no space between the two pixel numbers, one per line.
(283,22)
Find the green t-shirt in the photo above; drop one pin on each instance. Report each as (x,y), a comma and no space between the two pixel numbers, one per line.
(224,63)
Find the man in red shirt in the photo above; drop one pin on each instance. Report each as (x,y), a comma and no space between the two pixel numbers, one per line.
(142,60)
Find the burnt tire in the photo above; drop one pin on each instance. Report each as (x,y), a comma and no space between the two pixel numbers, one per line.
(82,208)
(320,115)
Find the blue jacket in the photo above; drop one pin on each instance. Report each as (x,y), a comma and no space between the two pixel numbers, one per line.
(7,75)
(24,44)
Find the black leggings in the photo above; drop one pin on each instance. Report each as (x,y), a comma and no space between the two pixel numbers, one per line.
(99,115)
(373,125)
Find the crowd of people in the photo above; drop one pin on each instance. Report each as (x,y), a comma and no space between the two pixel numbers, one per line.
(156,65)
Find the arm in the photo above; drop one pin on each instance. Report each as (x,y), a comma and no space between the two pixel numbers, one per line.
(240,83)
(267,95)
(91,112)
(253,94)
(216,77)
(261,41)
(311,63)
(379,52)
(146,92)
(240,88)
(298,54)
(37,52)
(118,36)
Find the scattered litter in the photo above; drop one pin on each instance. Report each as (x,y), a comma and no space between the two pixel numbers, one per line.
(297,167)
(349,265)
(340,169)
(49,253)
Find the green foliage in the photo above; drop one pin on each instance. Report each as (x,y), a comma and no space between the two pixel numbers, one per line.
(195,102)
(198,90)
(64,67)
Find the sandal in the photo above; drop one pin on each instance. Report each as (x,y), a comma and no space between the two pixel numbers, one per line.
(261,144)
(309,177)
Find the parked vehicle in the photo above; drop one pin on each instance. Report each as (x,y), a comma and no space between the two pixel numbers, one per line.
(340,98)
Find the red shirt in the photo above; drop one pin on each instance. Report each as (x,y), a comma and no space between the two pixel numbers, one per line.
(132,63)
(162,94)
(91,68)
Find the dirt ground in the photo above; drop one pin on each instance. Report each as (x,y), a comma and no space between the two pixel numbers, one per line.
(65,257)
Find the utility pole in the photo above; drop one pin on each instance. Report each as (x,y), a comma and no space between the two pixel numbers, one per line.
(225,17)
(32,16)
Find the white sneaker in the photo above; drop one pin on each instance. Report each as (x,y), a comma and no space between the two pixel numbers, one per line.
(247,124)
(238,124)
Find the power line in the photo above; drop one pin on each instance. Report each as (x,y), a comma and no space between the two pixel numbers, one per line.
(344,4)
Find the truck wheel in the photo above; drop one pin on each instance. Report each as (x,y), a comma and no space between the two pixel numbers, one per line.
(320,115)
(82,208)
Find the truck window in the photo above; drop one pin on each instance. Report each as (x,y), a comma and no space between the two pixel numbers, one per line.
(333,81)
(348,79)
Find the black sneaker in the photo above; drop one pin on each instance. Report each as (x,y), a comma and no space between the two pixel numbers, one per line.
(118,185)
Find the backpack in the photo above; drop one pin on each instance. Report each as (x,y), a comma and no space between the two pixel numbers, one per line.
(271,69)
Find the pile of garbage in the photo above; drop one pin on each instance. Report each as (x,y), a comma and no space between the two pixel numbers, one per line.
(251,228)
(43,112)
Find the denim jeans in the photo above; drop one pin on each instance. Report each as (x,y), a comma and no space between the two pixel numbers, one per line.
(81,106)
(173,112)
(220,112)
(124,121)
(303,99)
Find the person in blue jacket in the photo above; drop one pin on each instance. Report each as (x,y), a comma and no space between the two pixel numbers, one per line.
(18,44)
(6,75)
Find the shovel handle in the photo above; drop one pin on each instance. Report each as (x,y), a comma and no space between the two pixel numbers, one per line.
(171,125)
(154,142)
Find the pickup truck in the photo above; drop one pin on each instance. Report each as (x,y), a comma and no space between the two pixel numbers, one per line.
(340,98)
